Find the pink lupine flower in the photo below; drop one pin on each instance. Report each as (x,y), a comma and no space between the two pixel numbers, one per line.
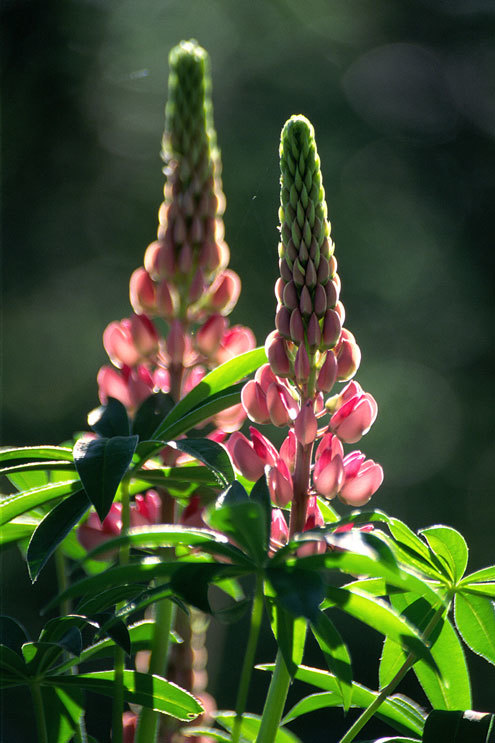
(234,341)
(192,515)
(328,473)
(145,510)
(279,403)
(327,376)
(245,459)
(142,292)
(176,342)
(279,482)
(288,450)
(159,260)
(254,402)
(355,416)
(130,386)
(131,340)
(263,447)
(363,477)
(231,419)
(279,531)
(276,350)
(305,425)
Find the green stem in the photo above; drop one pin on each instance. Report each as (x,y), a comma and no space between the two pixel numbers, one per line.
(275,702)
(39,712)
(247,666)
(147,729)
(118,696)
(378,701)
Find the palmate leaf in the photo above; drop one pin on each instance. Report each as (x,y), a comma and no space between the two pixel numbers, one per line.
(110,419)
(212,454)
(475,620)
(450,547)
(150,414)
(63,709)
(154,537)
(381,617)
(289,631)
(15,505)
(241,518)
(148,690)
(214,383)
(336,655)
(403,718)
(101,465)
(449,686)
(53,529)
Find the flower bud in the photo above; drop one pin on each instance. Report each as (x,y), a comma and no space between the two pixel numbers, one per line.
(290,298)
(277,354)
(142,292)
(348,356)
(225,292)
(331,329)
(313,332)
(279,482)
(288,450)
(279,531)
(332,293)
(282,321)
(210,334)
(159,260)
(305,302)
(166,300)
(296,326)
(277,407)
(305,425)
(327,375)
(320,301)
(301,365)
(197,286)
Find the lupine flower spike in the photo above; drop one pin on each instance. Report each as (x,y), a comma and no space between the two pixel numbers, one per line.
(308,353)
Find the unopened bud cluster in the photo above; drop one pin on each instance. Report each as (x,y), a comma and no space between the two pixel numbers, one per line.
(185,280)
(307,353)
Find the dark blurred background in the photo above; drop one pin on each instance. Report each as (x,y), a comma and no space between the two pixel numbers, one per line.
(402,97)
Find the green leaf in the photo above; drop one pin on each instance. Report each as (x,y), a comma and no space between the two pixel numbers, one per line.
(146,689)
(403,719)
(217,381)
(154,537)
(250,727)
(12,633)
(97,603)
(213,455)
(16,505)
(458,727)
(63,710)
(101,464)
(450,546)
(212,733)
(16,531)
(405,536)
(150,413)
(191,582)
(38,467)
(53,529)
(372,587)
(475,620)
(290,633)
(366,564)
(110,420)
(242,519)
(336,655)
(12,667)
(449,686)
(480,576)
(36,452)
(261,494)
(379,616)
(482,589)
(299,591)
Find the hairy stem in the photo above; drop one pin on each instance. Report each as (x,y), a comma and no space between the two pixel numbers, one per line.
(118,697)
(389,688)
(247,666)
(275,702)
(39,712)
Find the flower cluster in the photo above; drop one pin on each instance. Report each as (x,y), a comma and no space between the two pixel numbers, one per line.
(185,281)
(308,353)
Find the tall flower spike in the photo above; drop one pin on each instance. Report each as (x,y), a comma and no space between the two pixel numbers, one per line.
(307,293)
(190,249)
